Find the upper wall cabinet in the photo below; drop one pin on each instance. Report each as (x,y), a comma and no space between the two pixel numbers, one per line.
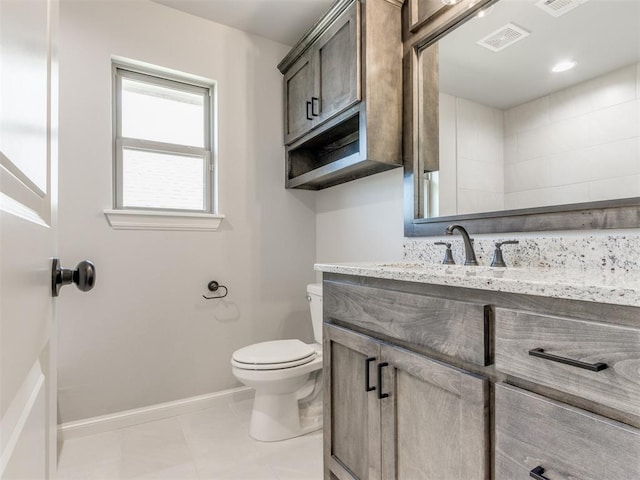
(325,79)
(343,96)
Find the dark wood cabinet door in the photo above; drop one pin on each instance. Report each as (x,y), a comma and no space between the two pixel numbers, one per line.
(298,90)
(337,57)
(435,421)
(352,420)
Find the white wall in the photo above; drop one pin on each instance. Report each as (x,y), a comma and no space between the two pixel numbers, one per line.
(577,145)
(361,220)
(471,160)
(144,335)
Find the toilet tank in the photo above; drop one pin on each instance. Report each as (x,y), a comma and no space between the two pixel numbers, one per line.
(314,294)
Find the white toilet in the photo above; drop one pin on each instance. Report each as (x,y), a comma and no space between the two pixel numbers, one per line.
(287,377)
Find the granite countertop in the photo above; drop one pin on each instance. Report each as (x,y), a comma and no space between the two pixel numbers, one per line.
(620,288)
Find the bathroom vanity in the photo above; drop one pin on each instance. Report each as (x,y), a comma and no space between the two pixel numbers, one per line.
(464,373)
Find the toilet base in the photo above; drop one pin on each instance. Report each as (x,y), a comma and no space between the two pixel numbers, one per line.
(280,416)
(288,401)
(277,417)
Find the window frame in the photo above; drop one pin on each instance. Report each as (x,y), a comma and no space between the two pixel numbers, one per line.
(182,83)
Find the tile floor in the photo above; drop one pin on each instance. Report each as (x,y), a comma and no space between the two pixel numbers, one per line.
(211,444)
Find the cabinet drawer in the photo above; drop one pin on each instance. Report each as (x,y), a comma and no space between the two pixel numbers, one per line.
(452,327)
(519,334)
(563,441)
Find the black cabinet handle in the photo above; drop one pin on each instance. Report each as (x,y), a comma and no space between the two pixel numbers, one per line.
(308,114)
(595,367)
(367,386)
(537,473)
(314,103)
(380,394)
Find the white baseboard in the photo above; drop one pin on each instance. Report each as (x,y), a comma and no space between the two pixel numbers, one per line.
(136,416)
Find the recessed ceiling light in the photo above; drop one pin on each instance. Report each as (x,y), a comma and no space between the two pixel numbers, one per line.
(563,66)
(485,11)
(450,2)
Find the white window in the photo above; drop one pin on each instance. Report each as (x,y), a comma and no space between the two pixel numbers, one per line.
(163,143)
(163,136)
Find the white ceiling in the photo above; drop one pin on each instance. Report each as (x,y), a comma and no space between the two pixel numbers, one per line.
(284,21)
(600,35)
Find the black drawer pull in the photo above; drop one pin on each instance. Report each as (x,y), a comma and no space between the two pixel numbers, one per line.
(380,394)
(309,117)
(537,473)
(539,352)
(367,386)
(314,103)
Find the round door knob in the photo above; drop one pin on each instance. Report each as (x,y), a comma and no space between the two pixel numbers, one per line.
(84,276)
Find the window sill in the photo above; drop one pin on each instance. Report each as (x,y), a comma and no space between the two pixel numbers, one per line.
(154,220)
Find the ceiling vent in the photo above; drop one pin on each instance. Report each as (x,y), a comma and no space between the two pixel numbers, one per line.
(557,8)
(503,37)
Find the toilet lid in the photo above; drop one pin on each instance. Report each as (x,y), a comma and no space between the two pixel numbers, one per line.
(283,352)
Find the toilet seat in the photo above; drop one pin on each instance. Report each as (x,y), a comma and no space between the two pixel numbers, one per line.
(274,355)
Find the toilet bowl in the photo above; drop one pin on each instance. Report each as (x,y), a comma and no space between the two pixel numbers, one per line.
(287,378)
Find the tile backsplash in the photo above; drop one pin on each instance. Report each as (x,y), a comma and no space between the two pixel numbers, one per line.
(618,252)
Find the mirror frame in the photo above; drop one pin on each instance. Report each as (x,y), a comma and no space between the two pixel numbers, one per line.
(607,214)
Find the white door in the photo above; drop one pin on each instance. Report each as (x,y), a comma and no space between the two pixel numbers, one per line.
(28,183)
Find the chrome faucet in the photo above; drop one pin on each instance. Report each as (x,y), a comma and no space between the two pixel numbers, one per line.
(469,254)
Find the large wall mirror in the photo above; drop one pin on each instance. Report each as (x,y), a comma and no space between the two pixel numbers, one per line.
(538,119)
